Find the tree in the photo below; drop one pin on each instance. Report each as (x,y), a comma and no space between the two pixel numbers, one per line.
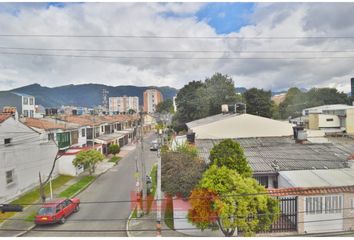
(221,90)
(258,102)
(88,159)
(240,203)
(192,103)
(230,154)
(114,149)
(165,106)
(181,170)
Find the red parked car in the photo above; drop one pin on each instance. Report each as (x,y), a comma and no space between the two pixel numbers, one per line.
(57,211)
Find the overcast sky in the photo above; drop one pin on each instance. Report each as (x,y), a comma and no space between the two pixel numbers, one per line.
(183,20)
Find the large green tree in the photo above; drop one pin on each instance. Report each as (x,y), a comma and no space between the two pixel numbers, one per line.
(200,99)
(192,104)
(230,154)
(88,159)
(258,102)
(297,100)
(240,203)
(220,90)
(165,106)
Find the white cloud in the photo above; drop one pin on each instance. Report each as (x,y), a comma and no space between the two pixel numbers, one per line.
(175,19)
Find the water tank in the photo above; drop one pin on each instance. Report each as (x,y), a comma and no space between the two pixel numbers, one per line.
(224,108)
(191,137)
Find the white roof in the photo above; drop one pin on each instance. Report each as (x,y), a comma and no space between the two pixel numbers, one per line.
(319,178)
(239,126)
(329,107)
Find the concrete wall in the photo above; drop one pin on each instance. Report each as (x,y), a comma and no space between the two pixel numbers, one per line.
(328,121)
(350,121)
(66,167)
(27,155)
(348,214)
(313,121)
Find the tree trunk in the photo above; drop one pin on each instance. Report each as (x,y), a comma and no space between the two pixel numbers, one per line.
(228,232)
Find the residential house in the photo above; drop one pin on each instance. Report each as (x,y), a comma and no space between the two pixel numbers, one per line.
(65,136)
(23,154)
(24,104)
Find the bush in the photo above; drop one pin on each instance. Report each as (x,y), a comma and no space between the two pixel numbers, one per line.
(115,159)
(113,149)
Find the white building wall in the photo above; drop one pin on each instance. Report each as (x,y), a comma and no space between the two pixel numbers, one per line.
(27,155)
(66,167)
(320,222)
(328,121)
(30,106)
(82,138)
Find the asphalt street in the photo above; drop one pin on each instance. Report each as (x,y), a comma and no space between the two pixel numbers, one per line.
(116,184)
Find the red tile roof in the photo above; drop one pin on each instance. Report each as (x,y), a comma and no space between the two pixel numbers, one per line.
(305,191)
(351,157)
(4,116)
(42,124)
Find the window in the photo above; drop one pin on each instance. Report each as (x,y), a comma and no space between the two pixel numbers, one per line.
(329,119)
(31,101)
(333,204)
(9,177)
(352,205)
(50,136)
(31,113)
(102,129)
(7,141)
(83,132)
(313,205)
(25,100)
(25,113)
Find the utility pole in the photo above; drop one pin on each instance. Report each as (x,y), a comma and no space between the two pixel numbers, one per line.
(142,161)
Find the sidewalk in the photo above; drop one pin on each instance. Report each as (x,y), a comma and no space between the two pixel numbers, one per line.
(17,221)
(138,227)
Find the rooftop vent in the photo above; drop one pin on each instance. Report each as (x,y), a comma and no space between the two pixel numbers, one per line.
(224,108)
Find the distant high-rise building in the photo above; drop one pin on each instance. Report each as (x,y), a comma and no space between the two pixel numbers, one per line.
(352,84)
(123,104)
(152,97)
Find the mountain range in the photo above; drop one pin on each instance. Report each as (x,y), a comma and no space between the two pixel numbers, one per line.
(86,95)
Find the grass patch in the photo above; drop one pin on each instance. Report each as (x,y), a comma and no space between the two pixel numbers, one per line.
(135,213)
(151,195)
(169,213)
(77,186)
(115,159)
(34,196)
(31,217)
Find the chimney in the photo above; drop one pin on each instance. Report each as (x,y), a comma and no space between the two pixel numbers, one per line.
(224,108)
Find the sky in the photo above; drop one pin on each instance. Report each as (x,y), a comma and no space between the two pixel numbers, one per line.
(265,45)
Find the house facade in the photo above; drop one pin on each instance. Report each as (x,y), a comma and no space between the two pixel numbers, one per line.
(23,154)
(24,104)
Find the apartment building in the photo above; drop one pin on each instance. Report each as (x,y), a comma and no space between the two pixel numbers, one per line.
(152,97)
(123,104)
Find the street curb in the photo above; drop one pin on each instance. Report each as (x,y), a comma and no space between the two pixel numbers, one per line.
(127,224)
(75,194)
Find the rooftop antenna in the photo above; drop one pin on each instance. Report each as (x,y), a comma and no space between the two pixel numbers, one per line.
(105,99)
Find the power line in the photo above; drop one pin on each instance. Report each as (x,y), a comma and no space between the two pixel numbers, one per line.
(173,51)
(175,37)
(176,58)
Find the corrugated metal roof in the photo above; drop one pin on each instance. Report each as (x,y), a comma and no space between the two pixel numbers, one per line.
(319,178)
(264,154)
